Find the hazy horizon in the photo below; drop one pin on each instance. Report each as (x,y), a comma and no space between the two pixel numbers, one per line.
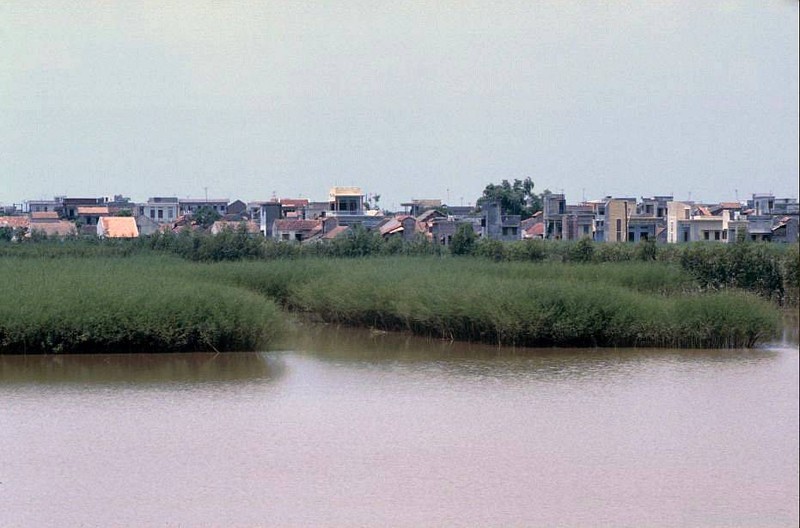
(409,100)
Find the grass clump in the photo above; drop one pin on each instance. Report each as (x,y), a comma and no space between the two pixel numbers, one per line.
(134,305)
(151,301)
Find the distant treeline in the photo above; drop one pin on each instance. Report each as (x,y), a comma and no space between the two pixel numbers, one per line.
(770,270)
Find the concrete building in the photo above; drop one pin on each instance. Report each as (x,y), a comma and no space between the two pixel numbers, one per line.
(616,219)
(160,209)
(190,205)
(554,208)
(497,226)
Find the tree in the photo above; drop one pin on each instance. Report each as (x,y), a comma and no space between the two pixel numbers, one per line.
(372,201)
(515,199)
(463,241)
(206,216)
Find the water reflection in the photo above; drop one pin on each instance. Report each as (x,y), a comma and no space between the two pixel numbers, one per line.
(791,328)
(139,369)
(367,349)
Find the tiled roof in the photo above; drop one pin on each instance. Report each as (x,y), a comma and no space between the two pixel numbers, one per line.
(44,215)
(89,210)
(60,228)
(391,226)
(535,230)
(294,202)
(296,225)
(119,227)
(335,232)
(14,222)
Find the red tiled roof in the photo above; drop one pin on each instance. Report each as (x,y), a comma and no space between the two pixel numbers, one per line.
(88,210)
(45,215)
(292,202)
(60,228)
(536,230)
(296,225)
(14,222)
(119,227)
(335,232)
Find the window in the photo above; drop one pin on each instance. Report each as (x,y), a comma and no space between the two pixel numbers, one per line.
(284,236)
(706,235)
(160,214)
(631,236)
(725,235)
(171,213)
(619,229)
(152,214)
(716,235)
(685,236)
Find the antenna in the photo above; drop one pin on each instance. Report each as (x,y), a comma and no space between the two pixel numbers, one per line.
(206,190)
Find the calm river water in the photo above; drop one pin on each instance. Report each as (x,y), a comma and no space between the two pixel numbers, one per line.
(352,428)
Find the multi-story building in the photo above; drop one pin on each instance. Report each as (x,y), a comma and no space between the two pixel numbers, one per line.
(617,219)
(554,207)
(190,205)
(160,209)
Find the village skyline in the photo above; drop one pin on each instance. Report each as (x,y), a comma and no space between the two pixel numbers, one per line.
(405,100)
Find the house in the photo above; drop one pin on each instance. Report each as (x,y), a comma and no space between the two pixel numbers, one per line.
(534,231)
(159,209)
(347,205)
(688,222)
(117,227)
(316,210)
(49,216)
(617,219)
(417,207)
(442,230)
(70,205)
(294,208)
(268,212)
(292,230)
(346,201)
(148,226)
(54,229)
(785,230)
(15,222)
(90,215)
(497,226)
(190,205)
(329,230)
(237,207)
(405,226)
(578,222)
(44,206)
(554,207)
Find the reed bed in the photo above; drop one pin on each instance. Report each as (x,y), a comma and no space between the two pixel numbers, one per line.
(158,302)
(126,305)
(633,305)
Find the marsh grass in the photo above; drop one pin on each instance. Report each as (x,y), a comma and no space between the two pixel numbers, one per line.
(141,304)
(157,302)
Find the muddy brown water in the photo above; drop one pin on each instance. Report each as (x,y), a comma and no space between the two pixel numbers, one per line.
(357,428)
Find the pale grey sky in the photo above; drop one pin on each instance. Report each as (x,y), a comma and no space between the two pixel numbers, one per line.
(404,99)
